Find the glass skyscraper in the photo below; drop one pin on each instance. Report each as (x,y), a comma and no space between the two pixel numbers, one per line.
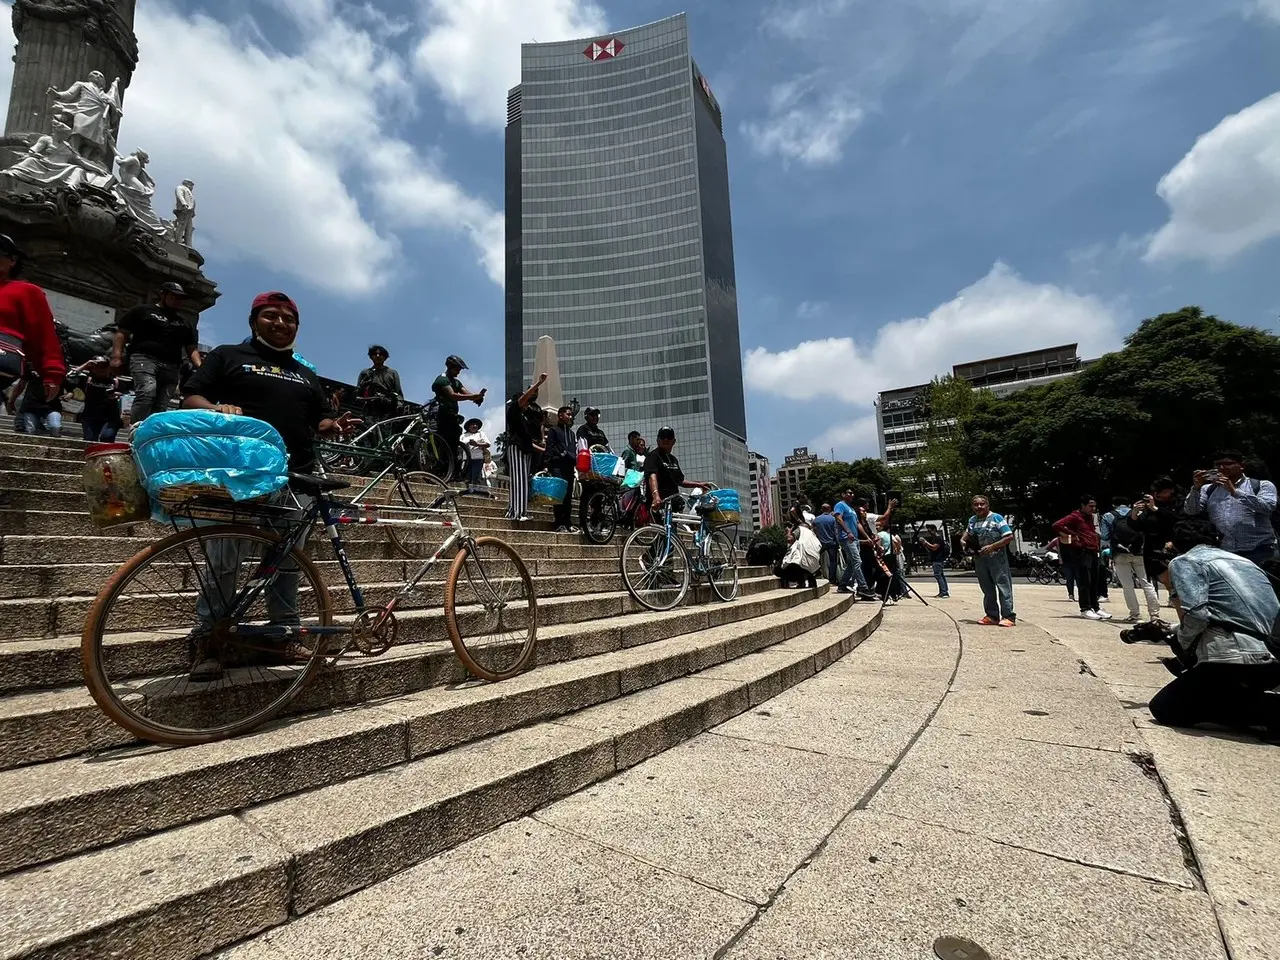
(620,243)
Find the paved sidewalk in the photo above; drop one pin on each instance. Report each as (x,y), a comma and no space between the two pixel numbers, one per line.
(943,779)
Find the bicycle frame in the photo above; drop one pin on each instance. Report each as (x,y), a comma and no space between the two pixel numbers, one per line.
(355,447)
(334,514)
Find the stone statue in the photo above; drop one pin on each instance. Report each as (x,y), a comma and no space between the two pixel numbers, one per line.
(94,111)
(135,188)
(184,212)
(52,161)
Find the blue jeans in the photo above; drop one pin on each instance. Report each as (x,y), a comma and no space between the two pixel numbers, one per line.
(997,585)
(99,431)
(852,567)
(940,574)
(50,423)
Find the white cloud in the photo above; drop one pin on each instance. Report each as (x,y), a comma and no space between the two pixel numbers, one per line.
(289,150)
(804,123)
(1000,314)
(1269,9)
(471,50)
(812,309)
(1224,195)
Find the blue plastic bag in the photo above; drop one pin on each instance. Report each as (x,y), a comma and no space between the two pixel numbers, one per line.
(243,456)
(548,489)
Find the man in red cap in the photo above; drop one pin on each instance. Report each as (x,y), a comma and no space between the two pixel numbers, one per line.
(262,378)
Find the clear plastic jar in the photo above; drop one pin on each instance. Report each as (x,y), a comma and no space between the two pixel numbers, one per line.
(116,495)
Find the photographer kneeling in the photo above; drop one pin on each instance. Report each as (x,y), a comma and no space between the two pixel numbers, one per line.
(1227,609)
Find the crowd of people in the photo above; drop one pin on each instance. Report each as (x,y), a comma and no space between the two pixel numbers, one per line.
(858,549)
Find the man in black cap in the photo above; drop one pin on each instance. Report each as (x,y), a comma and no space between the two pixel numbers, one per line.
(449,390)
(590,431)
(159,338)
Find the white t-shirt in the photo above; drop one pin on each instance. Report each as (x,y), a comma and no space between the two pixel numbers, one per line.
(469,440)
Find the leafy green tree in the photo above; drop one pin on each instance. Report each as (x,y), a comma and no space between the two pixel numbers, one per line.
(866,477)
(1185,385)
(942,472)
(767,547)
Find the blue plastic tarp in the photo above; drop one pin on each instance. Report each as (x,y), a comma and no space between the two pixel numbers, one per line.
(244,456)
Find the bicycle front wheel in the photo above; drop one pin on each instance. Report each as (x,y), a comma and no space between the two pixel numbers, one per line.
(600,517)
(491,609)
(655,568)
(722,565)
(410,495)
(166,656)
(435,457)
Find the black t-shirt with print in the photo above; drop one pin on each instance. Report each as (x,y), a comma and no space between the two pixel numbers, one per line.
(666,468)
(158,333)
(270,385)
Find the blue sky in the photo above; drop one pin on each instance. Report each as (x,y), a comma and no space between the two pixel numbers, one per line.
(914,184)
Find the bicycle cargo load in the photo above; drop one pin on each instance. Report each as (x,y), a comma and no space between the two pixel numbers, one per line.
(727,510)
(111,484)
(186,453)
(605,468)
(548,489)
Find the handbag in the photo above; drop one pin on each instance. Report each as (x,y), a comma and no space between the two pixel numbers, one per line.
(548,489)
(12,359)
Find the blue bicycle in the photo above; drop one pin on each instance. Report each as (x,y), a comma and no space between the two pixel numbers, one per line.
(659,560)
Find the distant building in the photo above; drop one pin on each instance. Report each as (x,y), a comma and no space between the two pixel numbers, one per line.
(792,476)
(619,240)
(762,512)
(898,417)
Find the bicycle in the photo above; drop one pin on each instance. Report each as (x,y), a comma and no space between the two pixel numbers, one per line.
(139,643)
(607,508)
(656,563)
(407,439)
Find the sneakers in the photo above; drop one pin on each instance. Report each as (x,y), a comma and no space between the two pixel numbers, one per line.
(563,529)
(843,590)
(1071,596)
(1103,615)
(1006,622)
(987,622)
(1133,618)
(1091,614)
(867,595)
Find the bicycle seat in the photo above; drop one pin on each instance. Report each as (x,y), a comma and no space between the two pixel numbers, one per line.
(313,486)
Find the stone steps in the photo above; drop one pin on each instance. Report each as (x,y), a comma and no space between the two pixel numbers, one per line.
(33,550)
(260,829)
(45,712)
(439,718)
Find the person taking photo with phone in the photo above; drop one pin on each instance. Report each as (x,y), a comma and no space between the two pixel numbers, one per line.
(1238,506)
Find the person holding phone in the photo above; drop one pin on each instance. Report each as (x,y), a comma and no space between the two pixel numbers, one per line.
(1238,506)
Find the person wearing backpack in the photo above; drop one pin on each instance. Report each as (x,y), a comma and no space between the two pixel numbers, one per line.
(1240,507)
(1122,538)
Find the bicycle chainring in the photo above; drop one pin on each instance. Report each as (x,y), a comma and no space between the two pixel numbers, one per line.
(374,631)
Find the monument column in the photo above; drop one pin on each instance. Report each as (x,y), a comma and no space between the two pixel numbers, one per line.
(60,42)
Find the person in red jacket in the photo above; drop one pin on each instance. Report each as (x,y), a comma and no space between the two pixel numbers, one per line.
(27,334)
(1079,543)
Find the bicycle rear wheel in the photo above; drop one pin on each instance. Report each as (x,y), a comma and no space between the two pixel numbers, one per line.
(411,494)
(435,457)
(141,638)
(655,568)
(600,517)
(491,609)
(722,565)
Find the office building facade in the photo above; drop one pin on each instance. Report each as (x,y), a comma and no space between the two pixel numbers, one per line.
(620,242)
(758,481)
(792,476)
(902,426)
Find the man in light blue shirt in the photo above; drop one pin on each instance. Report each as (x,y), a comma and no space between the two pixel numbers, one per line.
(1227,610)
(1239,507)
(847,521)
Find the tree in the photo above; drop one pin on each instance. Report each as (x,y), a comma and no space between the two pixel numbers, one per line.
(866,477)
(1185,385)
(767,547)
(942,471)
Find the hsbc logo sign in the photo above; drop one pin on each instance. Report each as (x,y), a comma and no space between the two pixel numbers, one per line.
(603,49)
